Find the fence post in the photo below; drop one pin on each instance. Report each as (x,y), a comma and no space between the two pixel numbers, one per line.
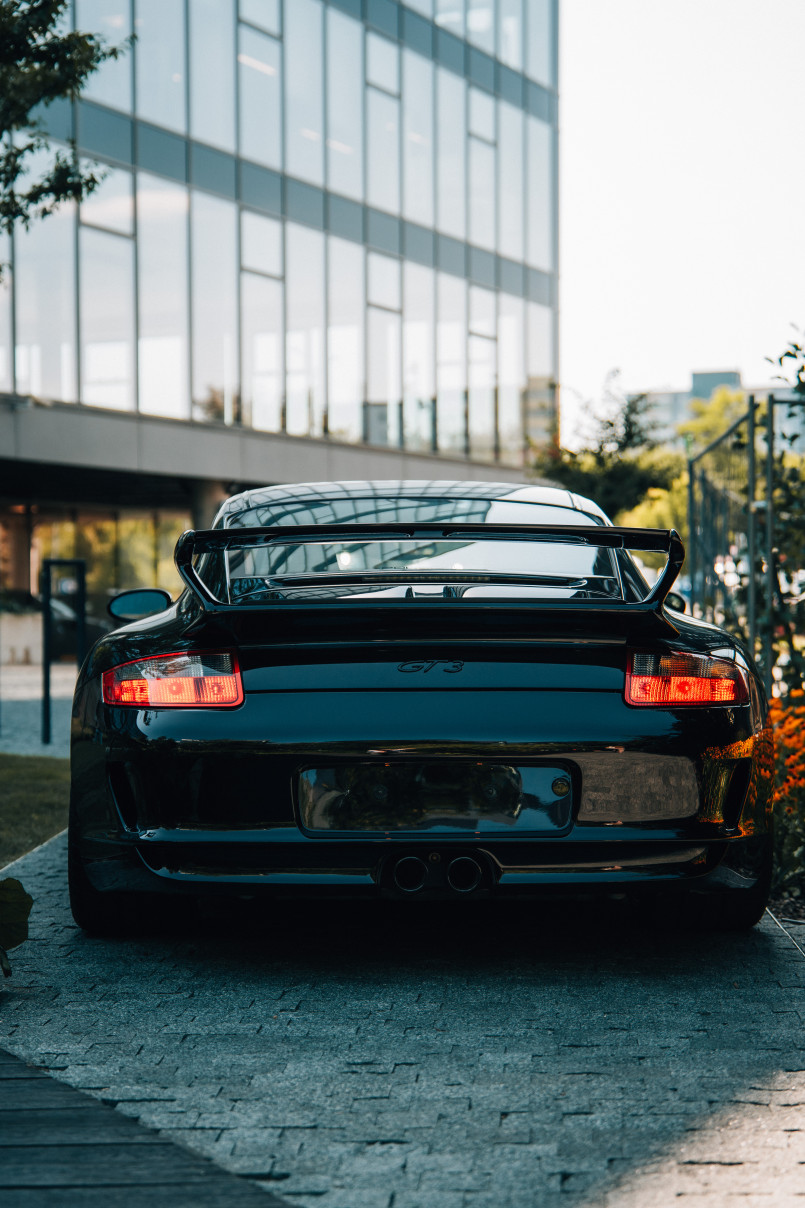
(45,593)
(692,537)
(751,543)
(768,639)
(80,612)
(79,569)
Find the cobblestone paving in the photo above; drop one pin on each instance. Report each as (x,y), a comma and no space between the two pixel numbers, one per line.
(21,710)
(349,1059)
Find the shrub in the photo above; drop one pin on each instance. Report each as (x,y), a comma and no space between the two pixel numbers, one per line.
(788,720)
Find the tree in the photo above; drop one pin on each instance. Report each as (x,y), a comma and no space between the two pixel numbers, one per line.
(710,417)
(41,61)
(621,463)
(663,508)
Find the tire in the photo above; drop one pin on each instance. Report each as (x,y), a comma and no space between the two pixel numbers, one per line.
(103,914)
(736,909)
(119,915)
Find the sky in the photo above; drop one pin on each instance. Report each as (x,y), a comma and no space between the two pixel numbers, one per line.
(682,192)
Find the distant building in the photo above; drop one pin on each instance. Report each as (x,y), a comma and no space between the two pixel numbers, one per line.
(670,408)
(325,247)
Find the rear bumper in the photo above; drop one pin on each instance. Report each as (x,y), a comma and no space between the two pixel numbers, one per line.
(367,870)
(657,801)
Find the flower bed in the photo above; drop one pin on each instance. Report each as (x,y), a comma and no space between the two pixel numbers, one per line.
(788,720)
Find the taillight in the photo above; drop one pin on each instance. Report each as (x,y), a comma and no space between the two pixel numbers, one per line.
(183,680)
(669,680)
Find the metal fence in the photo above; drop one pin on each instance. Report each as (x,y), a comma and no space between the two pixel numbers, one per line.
(737,573)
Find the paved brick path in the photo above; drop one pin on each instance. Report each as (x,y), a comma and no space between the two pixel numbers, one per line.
(21,710)
(60,1148)
(354,1060)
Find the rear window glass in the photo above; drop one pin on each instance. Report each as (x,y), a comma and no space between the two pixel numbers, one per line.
(412,568)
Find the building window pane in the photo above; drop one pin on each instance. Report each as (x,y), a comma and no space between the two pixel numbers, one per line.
(511,378)
(304,340)
(540,41)
(482,194)
(481,398)
(344,105)
(482,311)
(451,364)
(304,117)
(111,205)
(214,243)
(422,6)
(260,97)
(263,13)
(540,194)
(383,378)
(6,374)
(212,72)
(418,138)
(511,183)
(451,159)
(263,352)
(482,114)
(345,344)
(383,281)
(383,151)
(419,383)
(450,15)
(160,57)
(106,277)
(162,275)
(540,405)
(261,243)
(510,32)
(44,263)
(382,63)
(481,24)
(111,83)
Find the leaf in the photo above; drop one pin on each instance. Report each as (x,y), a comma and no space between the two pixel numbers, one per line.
(15,906)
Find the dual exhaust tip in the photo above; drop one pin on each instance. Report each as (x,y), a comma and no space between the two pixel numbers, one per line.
(463,874)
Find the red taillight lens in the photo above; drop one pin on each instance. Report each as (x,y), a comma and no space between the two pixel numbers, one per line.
(186,681)
(669,680)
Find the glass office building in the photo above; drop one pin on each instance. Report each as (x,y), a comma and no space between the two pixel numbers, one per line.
(326,219)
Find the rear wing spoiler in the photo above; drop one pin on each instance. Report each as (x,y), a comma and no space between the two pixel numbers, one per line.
(666,541)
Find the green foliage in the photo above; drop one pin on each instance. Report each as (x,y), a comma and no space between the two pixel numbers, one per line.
(785,621)
(711,417)
(34,798)
(622,463)
(791,362)
(726,468)
(41,61)
(630,428)
(662,508)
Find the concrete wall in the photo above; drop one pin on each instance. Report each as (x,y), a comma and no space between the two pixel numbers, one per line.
(73,435)
(20,638)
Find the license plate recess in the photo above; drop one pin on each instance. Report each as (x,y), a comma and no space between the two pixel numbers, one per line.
(436,797)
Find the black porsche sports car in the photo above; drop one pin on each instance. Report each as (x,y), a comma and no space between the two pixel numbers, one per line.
(418,690)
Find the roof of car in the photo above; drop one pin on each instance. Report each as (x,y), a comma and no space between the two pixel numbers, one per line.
(308,492)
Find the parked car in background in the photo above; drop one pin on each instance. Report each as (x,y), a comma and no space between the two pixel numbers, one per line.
(64,620)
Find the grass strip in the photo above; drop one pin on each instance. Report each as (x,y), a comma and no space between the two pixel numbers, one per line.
(34,797)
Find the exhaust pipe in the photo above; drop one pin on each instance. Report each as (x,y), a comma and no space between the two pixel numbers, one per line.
(410,874)
(464,874)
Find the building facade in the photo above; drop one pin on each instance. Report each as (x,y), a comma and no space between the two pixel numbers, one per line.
(325,245)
